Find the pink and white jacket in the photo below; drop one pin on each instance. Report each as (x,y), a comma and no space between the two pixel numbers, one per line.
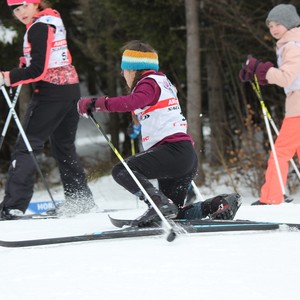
(287,75)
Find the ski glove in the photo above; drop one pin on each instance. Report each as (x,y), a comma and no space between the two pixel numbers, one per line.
(134,130)
(254,66)
(85,106)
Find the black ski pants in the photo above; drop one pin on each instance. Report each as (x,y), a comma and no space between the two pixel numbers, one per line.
(174,165)
(52,113)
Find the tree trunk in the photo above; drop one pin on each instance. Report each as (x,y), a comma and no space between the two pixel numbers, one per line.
(217,113)
(114,123)
(194,80)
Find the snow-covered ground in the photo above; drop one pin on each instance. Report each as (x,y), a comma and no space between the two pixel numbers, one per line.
(261,265)
(208,266)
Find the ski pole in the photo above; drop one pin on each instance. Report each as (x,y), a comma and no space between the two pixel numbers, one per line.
(132,147)
(28,146)
(14,102)
(135,121)
(197,191)
(172,235)
(133,153)
(257,90)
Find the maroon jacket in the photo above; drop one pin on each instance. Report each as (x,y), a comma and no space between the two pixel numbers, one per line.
(146,93)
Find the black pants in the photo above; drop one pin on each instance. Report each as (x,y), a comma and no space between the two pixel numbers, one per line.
(174,165)
(52,114)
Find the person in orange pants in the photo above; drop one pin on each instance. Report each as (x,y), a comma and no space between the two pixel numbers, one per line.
(283,22)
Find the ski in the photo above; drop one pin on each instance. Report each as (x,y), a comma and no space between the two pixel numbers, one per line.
(209,222)
(53,215)
(34,217)
(31,217)
(120,222)
(180,227)
(112,234)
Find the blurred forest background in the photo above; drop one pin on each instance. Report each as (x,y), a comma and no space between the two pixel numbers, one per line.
(201,45)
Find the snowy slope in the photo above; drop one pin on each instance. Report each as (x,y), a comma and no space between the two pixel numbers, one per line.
(254,266)
(227,266)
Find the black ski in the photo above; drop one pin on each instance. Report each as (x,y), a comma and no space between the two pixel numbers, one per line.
(180,227)
(35,217)
(31,217)
(53,215)
(124,233)
(208,222)
(120,222)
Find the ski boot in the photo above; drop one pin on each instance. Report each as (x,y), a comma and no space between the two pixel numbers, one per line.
(258,203)
(222,207)
(286,199)
(11,214)
(150,216)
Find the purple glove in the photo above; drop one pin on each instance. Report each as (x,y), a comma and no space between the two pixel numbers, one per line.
(261,71)
(254,66)
(85,106)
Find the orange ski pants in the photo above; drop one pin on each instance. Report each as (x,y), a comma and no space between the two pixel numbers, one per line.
(286,145)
